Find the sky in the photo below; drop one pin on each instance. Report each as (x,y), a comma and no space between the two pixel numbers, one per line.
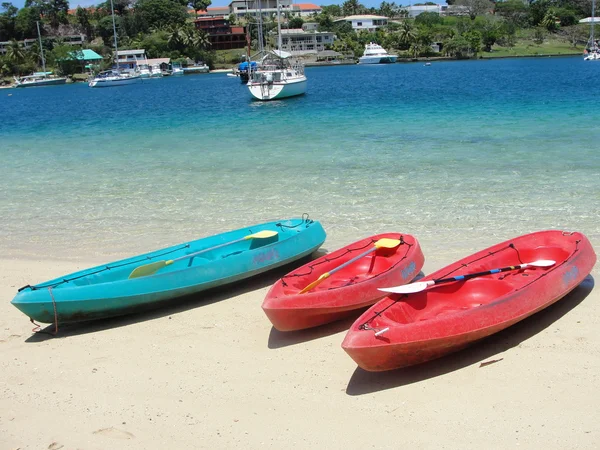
(367,3)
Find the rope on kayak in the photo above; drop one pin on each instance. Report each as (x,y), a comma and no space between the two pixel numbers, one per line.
(305,220)
(103,269)
(37,328)
(328,259)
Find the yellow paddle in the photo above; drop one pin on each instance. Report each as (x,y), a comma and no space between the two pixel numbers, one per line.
(381,243)
(152,268)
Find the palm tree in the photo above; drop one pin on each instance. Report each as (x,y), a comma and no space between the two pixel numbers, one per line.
(14,52)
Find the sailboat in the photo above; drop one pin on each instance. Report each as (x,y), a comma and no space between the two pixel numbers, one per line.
(114,77)
(278,75)
(592,49)
(39,78)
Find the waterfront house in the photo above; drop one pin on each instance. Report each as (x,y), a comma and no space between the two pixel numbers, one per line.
(128,59)
(305,40)
(222,35)
(365,22)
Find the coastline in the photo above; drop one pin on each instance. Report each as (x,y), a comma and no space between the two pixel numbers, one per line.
(399,61)
(210,372)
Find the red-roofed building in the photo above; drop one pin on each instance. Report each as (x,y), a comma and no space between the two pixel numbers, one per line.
(221,34)
(306,9)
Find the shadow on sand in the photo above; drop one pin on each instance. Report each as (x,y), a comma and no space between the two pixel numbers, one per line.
(170,307)
(363,382)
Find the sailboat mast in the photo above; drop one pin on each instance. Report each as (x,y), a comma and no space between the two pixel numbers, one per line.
(593,22)
(41,48)
(112,11)
(278,26)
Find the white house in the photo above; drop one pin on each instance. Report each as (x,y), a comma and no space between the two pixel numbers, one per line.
(414,11)
(128,59)
(303,41)
(365,22)
(267,7)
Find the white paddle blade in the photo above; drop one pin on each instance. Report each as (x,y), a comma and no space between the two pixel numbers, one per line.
(407,288)
(542,263)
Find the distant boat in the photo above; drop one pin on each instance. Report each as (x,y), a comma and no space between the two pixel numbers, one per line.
(110,78)
(196,68)
(277,76)
(592,49)
(176,69)
(39,78)
(376,54)
(114,77)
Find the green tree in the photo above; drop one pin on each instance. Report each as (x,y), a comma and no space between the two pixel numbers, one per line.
(514,11)
(82,16)
(161,13)
(15,52)
(352,7)
(476,7)
(25,22)
(7,21)
(199,5)
(550,21)
(295,22)
(331,10)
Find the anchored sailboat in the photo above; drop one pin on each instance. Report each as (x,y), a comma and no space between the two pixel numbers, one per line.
(592,49)
(115,77)
(278,75)
(42,78)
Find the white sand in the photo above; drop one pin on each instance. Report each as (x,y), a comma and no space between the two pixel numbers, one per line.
(212,373)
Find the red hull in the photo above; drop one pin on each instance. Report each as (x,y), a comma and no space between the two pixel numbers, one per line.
(346,291)
(447,317)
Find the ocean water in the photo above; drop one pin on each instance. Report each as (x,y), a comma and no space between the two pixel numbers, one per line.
(459,154)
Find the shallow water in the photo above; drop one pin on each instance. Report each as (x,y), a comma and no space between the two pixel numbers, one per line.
(460,154)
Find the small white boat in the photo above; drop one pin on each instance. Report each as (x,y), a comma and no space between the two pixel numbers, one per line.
(39,79)
(277,77)
(110,78)
(176,69)
(376,54)
(196,68)
(143,70)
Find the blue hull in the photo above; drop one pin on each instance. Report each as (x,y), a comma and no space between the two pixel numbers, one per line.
(107,290)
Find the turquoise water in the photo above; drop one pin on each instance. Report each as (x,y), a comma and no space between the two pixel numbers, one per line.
(460,154)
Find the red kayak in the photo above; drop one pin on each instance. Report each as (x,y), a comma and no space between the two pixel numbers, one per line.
(334,286)
(469,300)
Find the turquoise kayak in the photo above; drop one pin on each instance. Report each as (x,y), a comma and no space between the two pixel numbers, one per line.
(144,281)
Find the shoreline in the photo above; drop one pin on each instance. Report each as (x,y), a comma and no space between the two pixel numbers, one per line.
(399,61)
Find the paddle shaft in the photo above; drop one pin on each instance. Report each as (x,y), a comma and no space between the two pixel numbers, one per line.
(192,255)
(476,274)
(327,274)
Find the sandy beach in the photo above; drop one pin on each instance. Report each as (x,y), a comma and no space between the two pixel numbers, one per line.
(211,372)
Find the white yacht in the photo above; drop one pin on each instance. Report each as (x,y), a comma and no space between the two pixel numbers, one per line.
(278,75)
(114,77)
(39,78)
(110,78)
(376,54)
